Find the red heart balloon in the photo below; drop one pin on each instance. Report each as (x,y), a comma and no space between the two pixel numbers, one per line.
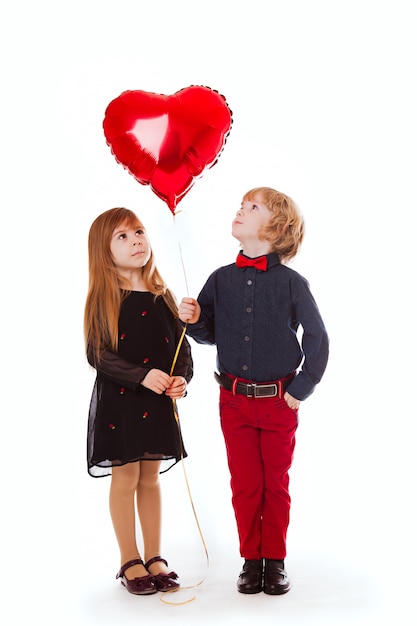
(167,142)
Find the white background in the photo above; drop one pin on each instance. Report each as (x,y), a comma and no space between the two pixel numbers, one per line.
(324,107)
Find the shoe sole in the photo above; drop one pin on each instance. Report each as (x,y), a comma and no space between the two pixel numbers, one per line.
(139,593)
(250,592)
(279,592)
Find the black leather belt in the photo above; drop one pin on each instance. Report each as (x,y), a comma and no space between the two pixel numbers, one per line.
(254,390)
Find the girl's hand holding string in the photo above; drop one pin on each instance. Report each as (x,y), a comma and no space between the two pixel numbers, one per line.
(160,382)
(178,387)
(157,381)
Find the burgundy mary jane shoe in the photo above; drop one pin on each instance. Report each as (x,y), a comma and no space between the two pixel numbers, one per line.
(140,586)
(163,582)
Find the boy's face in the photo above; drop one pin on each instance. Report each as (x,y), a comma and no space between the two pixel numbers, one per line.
(250,217)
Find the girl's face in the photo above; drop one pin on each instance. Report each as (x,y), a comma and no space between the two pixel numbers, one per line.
(250,217)
(130,247)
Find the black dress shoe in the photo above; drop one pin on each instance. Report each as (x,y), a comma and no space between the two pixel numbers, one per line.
(250,578)
(275,578)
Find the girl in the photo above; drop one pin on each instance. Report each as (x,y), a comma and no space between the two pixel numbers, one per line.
(131,333)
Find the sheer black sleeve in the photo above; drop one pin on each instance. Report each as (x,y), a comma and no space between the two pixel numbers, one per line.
(117,369)
(129,375)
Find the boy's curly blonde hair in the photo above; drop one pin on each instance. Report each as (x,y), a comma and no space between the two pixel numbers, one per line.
(285,230)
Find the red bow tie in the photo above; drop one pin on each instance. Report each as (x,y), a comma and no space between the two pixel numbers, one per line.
(260,263)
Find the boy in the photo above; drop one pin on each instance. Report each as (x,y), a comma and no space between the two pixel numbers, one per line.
(251,310)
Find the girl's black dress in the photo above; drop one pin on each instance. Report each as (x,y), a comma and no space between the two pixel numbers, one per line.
(128,422)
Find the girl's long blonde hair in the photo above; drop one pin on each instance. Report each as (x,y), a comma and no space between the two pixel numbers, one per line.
(285,230)
(105,296)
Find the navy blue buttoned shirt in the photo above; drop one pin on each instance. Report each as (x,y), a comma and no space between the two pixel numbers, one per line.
(254,318)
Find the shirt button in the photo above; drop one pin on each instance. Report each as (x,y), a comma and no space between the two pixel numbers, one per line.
(246,338)
(245,367)
(249,282)
(249,309)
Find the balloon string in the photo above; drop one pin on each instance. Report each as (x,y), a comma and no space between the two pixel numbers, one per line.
(174,406)
(192,598)
(182,261)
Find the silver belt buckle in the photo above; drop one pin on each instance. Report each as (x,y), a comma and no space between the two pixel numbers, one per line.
(263,391)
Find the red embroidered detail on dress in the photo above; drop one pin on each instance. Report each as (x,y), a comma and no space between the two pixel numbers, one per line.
(144,313)
(145,414)
(146,360)
(112,426)
(122,390)
(123,335)
(166,339)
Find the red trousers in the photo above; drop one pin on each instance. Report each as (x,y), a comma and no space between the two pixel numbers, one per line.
(259,434)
